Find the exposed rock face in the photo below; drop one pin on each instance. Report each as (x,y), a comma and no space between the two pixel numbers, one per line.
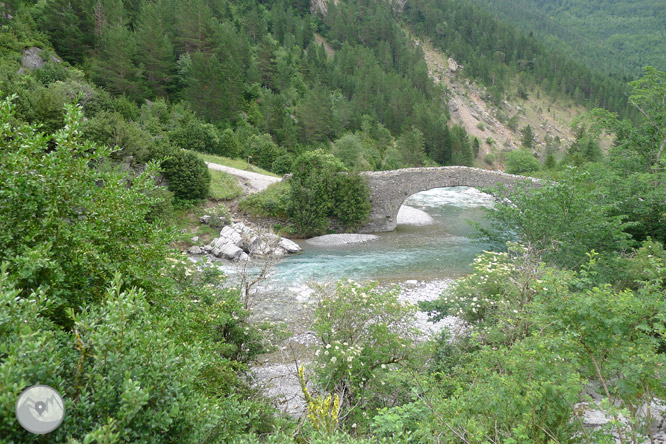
(239,242)
(33,60)
(595,418)
(453,65)
(389,189)
(320,6)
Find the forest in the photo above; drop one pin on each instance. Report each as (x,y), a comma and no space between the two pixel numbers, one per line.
(617,37)
(100,146)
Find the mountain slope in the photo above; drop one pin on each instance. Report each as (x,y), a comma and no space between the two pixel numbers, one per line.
(616,36)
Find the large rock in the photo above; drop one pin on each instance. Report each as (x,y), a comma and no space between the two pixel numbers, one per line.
(195,250)
(257,246)
(232,235)
(32,59)
(289,246)
(240,242)
(230,251)
(453,65)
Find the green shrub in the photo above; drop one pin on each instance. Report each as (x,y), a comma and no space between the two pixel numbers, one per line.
(352,200)
(263,151)
(490,158)
(111,129)
(229,144)
(142,347)
(197,136)
(365,337)
(187,175)
(63,209)
(321,189)
(283,164)
(521,162)
(52,72)
(274,201)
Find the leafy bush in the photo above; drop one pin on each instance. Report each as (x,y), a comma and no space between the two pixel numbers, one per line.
(490,158)
(111,129)
(62,209)
(52,72)
(321,188)
(365,335)
(564,220)
(187,175)
(140,346)
(521,162)
(263,151)
(195,135)
(283,164)
(352,200)
(271,202)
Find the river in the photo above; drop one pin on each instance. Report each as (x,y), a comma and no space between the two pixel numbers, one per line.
(431,246)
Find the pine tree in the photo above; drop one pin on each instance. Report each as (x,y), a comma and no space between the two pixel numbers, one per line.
(155,51)
(528,137)
(113,66)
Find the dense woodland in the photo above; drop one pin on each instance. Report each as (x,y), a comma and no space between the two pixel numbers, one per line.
(145,346)
(497,53)
(619,37)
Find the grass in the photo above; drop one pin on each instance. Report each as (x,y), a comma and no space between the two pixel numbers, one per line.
(271,202)
(233,163)
(223,186)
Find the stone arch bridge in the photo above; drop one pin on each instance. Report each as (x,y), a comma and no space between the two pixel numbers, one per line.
(389,189)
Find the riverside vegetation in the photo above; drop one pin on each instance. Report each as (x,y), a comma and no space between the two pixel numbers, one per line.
(567,316)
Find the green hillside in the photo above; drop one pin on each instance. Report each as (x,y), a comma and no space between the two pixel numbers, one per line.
(615,36)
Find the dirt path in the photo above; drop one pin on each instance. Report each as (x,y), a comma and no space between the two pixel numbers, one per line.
(251,182)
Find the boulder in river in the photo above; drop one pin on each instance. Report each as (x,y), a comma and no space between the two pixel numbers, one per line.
(239,242)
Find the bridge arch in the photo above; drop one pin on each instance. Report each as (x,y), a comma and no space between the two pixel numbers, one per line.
(389,189)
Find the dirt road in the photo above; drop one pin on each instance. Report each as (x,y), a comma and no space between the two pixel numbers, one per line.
(251,182)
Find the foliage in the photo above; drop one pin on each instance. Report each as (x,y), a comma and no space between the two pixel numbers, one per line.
(365,335)
(187,175)
(571,332)
(563,220)
(140,345)
(521,162)
(607,36)
(499,55)
(527,137)
(274,201)
(351,200)
(62,211)
(321,188)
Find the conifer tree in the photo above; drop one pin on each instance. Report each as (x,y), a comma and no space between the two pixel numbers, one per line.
(113,66)
(155,51)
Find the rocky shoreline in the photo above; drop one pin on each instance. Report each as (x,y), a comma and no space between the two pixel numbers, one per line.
(239,242)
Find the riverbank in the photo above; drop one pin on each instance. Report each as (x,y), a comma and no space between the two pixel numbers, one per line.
(276,374)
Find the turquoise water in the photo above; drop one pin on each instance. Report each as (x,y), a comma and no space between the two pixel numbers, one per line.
(441,250)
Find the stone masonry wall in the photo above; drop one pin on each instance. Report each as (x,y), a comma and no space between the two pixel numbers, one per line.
(389,189)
